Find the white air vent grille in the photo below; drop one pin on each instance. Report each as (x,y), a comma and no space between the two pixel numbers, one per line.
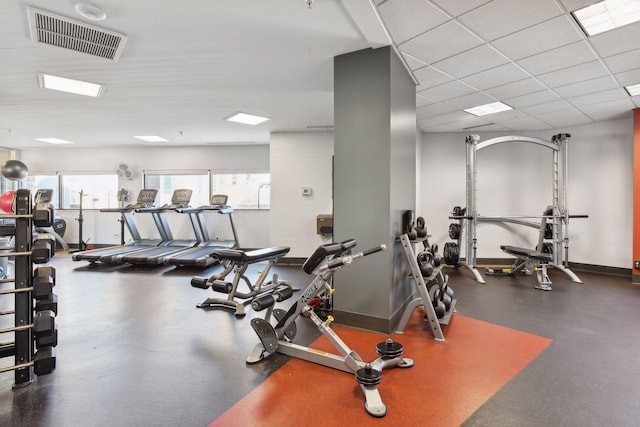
(56,30)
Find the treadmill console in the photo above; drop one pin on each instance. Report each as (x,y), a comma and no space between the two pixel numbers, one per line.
(181,198)
(219,200)
(146,198)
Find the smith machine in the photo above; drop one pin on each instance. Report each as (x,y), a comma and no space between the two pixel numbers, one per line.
(554,225)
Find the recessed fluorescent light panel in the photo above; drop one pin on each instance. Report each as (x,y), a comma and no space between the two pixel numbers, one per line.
(607,15)
(151,138)
(483,110)
(247,119)
(633,90)
(55,141)
(64,84)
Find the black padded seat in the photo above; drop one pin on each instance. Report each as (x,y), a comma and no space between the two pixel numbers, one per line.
(250,257)
(527,253)
(324,251)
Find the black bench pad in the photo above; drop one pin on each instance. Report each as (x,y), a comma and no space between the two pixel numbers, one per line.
(324,251)
(249,257)
(527,253)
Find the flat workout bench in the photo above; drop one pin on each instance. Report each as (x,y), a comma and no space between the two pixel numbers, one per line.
(532,258)
(238,260)
(250,257)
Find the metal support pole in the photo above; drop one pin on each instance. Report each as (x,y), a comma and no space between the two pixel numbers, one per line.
(23,279)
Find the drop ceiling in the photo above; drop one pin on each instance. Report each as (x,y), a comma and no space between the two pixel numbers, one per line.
(187,65)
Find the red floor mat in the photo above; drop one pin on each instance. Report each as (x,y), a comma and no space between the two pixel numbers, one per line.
(448,382)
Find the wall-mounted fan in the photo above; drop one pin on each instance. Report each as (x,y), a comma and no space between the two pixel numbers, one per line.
(124,171)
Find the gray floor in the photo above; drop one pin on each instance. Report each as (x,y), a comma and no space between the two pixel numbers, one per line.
(134,351)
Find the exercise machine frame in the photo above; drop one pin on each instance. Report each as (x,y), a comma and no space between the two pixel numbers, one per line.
(325,260)
(560,213)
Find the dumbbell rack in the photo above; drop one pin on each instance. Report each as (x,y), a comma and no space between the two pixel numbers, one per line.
(23,346)
(423,298)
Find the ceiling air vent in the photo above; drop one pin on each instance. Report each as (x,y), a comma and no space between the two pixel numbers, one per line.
(56,30)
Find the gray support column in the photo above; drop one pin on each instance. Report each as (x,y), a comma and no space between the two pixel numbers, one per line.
(374,181)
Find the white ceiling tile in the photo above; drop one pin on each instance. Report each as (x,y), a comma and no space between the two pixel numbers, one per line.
(636,100)
(438,128)
(431,110)
(598,97)
(582,72)
(572,5)
(492,127)
(459,116)
(441,42)
(588,86)
(557,59)
(471,100)
(421,101)
(609,110)
(503,116)
(565,118)
(429,77)
(449,90)
(540,38)
(497,76)
(412,62)
(510,90)
(616,41)
(623,61)
(472,61)
(458,7)
(629,77)
(406,19)
(531,99)
(546,107)
(514,15)
(524,123)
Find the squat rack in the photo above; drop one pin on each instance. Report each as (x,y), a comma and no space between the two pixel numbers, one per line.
(560,216)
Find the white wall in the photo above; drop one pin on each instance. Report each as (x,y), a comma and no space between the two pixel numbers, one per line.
(511,180)
(104,228)
(515,179)
(300,160)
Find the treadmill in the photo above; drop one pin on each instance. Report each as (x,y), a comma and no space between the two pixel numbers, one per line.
(200,256)
(154,255)
(146,198)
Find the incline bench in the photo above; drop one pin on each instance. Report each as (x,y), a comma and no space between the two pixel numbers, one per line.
(531,259)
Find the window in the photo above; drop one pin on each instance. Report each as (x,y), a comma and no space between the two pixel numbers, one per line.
(41,181)
(99,191)
(167,181)
(245,190)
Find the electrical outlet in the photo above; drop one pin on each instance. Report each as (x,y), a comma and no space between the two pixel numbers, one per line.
(636,264)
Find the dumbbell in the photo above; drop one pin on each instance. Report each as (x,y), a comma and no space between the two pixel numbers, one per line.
(44,362)
(43,215)
(45,331)
(44,279)
(42,284)
(50,303)
(43,249)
